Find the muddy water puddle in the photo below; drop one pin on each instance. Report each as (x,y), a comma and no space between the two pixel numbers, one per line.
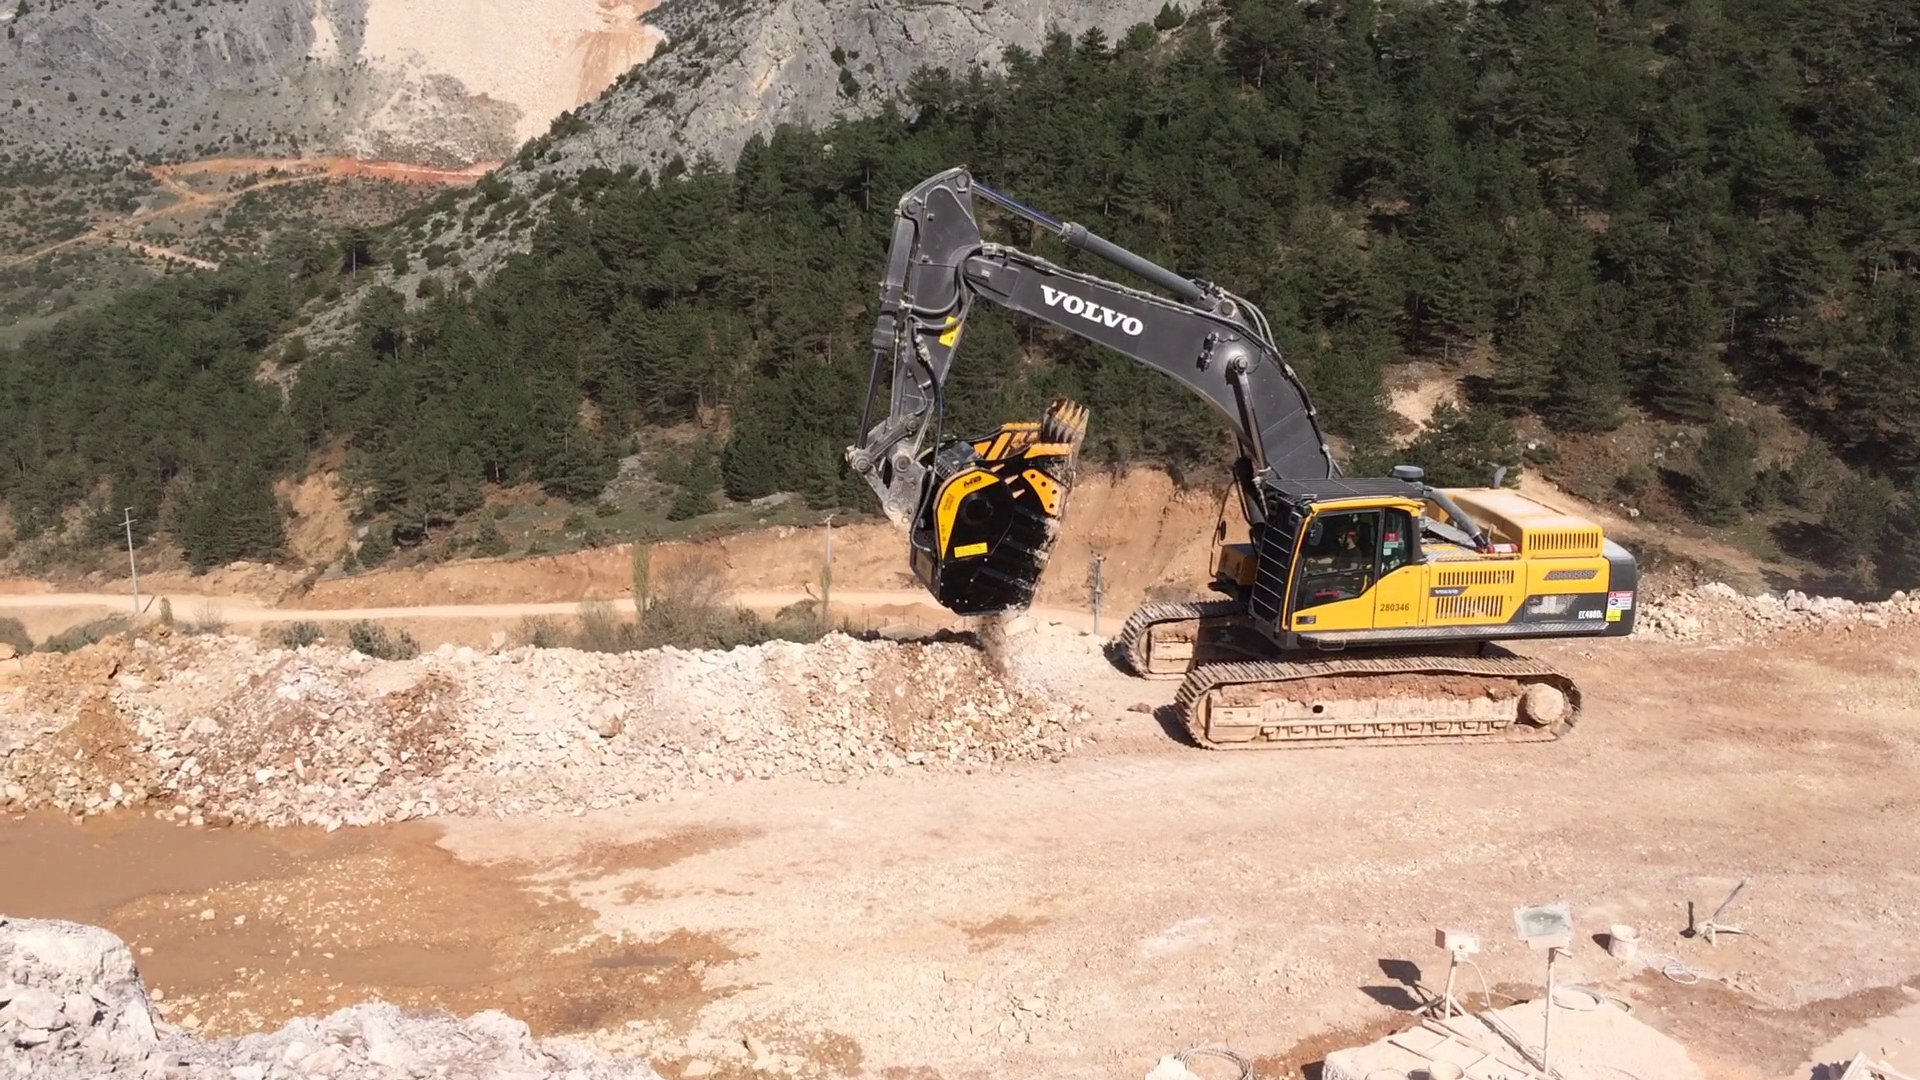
(243,929)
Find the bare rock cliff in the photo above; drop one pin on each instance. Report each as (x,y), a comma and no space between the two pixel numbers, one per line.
(734,68)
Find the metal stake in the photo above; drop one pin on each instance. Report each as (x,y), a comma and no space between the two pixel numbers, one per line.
(132,568)
(1546,1028)
(1099,589)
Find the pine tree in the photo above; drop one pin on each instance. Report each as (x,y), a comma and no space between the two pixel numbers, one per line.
(1723,473)
(1588,387)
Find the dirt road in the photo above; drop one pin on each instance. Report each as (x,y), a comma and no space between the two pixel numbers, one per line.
(296,170)
(247,612)
(1079,920)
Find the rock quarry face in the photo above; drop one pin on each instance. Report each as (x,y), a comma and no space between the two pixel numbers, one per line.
(731,70)
(445,82)
(429,81)
(72,1005)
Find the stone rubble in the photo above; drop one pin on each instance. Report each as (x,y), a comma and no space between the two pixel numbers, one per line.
(219,730)
(73,1007)
(1718,612)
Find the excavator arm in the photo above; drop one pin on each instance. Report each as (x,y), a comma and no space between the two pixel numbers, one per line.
(1203,337)
(981,513)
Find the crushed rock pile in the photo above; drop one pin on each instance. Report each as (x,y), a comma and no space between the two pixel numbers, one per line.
(1719,612)
(226,729)
(73,1006)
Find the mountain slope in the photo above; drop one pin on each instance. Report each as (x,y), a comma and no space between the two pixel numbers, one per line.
(430,81)
(732,69)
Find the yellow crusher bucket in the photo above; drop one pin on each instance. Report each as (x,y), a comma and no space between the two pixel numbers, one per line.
(993,512)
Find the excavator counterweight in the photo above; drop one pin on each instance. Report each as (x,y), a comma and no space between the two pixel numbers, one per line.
(1360,610)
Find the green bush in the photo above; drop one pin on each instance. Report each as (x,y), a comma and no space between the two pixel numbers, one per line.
(600,629)
(376,641)
(377,547)
(1463,448)
(79,637)
(13,632)
(298,635)
(541,633)
(489,541)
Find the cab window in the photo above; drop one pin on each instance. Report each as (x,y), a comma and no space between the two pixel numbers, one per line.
(1396,542)
(1338,558)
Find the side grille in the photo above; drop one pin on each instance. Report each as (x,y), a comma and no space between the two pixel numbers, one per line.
(1457,578)
(1564,542)
(1469,607)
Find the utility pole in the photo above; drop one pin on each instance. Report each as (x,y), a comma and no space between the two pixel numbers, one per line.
(1099,589)
(826,576)
(132,567)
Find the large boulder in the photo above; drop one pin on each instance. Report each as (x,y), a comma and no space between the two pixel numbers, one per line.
(71,991)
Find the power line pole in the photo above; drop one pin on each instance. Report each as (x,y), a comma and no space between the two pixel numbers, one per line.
(826,578)
(132,567)
(1099,590)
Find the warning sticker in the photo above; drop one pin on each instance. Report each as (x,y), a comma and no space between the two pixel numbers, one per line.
(1619,601)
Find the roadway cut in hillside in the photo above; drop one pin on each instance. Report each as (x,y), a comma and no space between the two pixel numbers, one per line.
(266,173)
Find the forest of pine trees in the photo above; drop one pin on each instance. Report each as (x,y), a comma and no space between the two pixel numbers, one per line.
(1638,206)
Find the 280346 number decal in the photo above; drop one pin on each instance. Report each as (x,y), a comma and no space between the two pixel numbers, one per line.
(1396,607)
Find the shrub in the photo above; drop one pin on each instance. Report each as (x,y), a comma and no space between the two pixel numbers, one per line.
(489,540)
(1463,448)
(209,618)
(377,547)
(601,630)
(377,642)
(298,635)
(13,632)
(79,637)
(541,633)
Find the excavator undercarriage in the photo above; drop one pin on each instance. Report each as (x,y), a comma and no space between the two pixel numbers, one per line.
(1229,698)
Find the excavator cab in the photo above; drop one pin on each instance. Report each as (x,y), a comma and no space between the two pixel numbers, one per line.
(991,511)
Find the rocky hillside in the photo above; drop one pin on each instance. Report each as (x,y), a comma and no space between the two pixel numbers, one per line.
(433,81)
(456,81)
(731,69)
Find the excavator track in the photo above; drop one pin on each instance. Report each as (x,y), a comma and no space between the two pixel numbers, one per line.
(1377,698)
(1167,639)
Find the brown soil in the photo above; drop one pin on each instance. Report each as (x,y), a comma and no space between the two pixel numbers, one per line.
(304,921)
(1151,533)
(319,528)
(1773,1039)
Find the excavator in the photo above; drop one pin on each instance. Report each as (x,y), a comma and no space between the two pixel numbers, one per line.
(1359,610)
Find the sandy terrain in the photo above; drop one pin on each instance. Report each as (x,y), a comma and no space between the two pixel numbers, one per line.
(1081,919)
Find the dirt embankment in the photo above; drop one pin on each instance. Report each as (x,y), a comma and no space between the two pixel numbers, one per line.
(1150,532)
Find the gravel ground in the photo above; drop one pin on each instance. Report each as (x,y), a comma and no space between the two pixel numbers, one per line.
(1065,914)
(220,730)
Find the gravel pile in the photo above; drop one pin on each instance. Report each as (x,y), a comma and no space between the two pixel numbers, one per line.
(1719,612)
(226,729)
(73,1006)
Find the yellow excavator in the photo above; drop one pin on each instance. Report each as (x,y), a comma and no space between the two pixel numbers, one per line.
(1359,610)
